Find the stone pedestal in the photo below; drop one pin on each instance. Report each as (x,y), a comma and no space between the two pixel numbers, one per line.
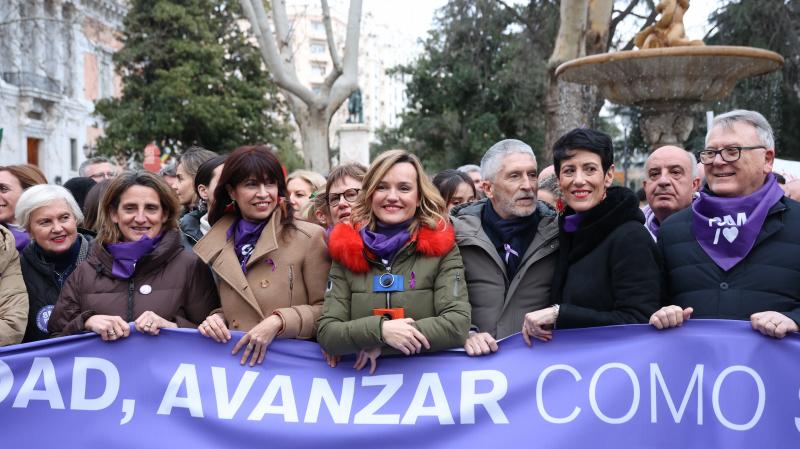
(667,123)
(353,143)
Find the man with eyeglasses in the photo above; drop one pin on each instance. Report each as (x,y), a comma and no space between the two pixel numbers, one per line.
(98,168)
(733,254)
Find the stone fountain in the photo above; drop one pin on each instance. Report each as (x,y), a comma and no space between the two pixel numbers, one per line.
(669,77)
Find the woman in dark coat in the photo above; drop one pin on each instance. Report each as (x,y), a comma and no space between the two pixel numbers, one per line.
(609,269)
(50,215)
(136,270)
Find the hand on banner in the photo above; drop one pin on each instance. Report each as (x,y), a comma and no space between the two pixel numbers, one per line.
(538,324)
(150,323)
(773,324)
(258,339)
(108,327)
(670,316)
(214,327)
(331,360)
(404,337)
(480,343)
(366,355)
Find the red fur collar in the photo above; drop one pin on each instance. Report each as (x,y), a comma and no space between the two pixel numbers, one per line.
(347,248)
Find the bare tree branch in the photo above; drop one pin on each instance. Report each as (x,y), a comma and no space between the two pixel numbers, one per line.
(348,81)
(651,19)
(284,76)
(519,17)
(622,15)
(337,63)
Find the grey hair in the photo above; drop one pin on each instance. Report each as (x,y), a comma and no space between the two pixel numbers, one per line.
(469,168)
(550,184)
(92,161)
(752,118)
(41,195)
(490,162)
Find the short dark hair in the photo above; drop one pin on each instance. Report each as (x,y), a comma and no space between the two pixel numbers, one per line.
(447,182)
(587,139)
(780,178)
(349,170)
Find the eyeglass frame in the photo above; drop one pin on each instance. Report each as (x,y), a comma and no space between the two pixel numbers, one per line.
(338,197)
(719,152)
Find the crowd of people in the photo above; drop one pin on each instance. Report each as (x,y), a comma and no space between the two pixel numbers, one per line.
(387,260)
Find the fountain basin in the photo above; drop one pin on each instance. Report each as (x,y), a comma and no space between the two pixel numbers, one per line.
(691,74)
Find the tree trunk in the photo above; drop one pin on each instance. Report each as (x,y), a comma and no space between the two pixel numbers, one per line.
(314,134)
(584,27)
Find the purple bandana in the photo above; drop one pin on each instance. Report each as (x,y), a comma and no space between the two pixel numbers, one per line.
(727,228)
(245,235)
(573,222)
(20,237)
(126,254)
(387,239)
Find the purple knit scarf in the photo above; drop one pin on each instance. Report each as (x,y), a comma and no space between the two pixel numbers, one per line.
(386,240)
(573,222)
(727,228)
(126,254)
(245,235)
(21,238)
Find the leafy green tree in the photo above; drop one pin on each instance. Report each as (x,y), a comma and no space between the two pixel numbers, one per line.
(773,25)
(480,79)
(190,76)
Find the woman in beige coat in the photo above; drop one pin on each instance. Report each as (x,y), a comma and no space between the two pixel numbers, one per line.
(13,294)
(271,270)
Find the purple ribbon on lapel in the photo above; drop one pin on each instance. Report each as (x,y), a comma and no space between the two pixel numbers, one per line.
(509,251)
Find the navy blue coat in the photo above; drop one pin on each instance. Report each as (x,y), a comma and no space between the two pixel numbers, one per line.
(767,279)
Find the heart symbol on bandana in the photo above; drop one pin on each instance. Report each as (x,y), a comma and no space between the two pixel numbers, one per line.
(730,234)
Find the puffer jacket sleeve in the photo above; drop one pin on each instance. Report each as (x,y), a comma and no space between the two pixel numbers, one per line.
(299,321)
(450,327)
(201,296)
(337,334)
(13,301)
(67,317)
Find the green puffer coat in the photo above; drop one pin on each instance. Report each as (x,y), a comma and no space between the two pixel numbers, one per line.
(435,292)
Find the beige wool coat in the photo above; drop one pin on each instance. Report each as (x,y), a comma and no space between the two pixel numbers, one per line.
(286,275)
(13,294)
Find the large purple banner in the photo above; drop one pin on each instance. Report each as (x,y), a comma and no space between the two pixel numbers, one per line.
(707,384)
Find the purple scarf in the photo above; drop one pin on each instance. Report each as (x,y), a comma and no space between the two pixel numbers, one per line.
(573,222)
(245,235)
(126,254)
(20,237)
(651,222)
(387,239)
(727,228)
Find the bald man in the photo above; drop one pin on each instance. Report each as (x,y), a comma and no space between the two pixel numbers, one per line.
(670,184)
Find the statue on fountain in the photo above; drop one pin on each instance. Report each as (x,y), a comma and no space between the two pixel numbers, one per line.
(668,31)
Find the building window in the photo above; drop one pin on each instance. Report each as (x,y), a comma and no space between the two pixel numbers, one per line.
(318,48)
(317,26)
(319,69)
(73,154)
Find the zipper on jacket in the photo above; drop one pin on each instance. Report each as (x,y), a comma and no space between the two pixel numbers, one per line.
(130,300)
(455,285)
(291,284)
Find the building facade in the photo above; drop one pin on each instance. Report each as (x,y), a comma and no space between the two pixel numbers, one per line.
(55,62)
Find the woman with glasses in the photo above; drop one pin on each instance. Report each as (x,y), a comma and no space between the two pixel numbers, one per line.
(341,190)
(609,269)
(270,268)
(397,283)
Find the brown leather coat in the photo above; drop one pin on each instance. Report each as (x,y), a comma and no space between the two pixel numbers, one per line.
(285,276)
(170,281)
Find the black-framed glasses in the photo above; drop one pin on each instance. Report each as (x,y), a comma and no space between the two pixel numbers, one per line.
(350,195)
(728,154)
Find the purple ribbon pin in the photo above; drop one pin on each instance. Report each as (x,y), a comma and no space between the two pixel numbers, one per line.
(271,262)
(509,251)
(412,282)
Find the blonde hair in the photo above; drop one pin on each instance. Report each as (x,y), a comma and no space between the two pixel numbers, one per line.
(431,210)
(315,180)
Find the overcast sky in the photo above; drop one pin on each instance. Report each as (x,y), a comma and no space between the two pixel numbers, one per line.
(417,15)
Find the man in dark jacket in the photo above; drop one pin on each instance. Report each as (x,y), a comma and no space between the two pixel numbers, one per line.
(733,253)
(508,243)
